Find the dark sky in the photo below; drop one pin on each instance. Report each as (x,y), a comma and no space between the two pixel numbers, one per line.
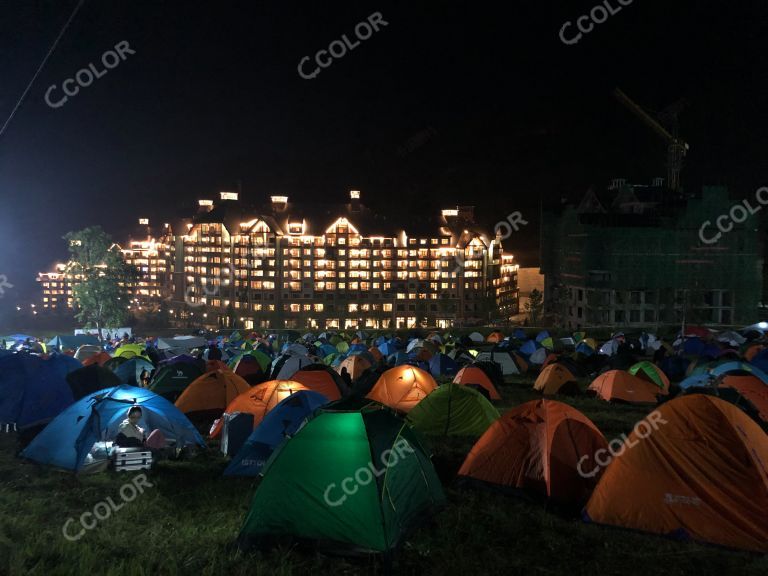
(510,113)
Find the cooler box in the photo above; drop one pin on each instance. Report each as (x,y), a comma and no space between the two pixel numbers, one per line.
(235,431)
(127,459)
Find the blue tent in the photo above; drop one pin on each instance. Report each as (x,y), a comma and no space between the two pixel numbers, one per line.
(542,335)
(397,358)
(584,349)
(68,440)
(357,349)
(130,372)
(390,347)
(529,347)
(443,365)
(730,367)
(519,334)
(326,350)
(33,390)
(283,420)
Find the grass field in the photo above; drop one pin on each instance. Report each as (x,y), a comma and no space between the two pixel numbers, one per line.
(186,523)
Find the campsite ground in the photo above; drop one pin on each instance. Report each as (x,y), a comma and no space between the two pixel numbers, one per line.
(187,521)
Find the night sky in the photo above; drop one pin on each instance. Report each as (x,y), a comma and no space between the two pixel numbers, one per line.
(451,102)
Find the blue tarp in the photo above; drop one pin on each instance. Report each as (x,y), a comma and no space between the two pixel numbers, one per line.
(70,437)
(283,420)
(33,390)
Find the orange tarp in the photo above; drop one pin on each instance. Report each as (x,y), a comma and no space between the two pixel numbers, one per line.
(402,387)
(552,379)
(259,400)
(539,446)
(621,385)
(211,391)
(475,375)
(702,472)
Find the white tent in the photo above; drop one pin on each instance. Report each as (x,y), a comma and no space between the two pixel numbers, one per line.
(476,337)
(503,359)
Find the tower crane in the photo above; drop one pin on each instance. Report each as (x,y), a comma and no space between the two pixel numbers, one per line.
(677,148)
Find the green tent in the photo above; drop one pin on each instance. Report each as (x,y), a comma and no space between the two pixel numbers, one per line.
(453,410)
(357,478)
(650,370)
(264,361)
(171,380)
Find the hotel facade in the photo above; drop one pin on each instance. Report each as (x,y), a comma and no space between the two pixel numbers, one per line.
(300,265)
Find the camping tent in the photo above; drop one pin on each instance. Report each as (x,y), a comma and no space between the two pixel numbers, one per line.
(34,390)
(509,362)
(285,366)
(90,379)
(311,476)
(172,379)
(556,379)
(453,410)
(279,423)
(476,376)
(322,379)
(71,437)
(697,469)
(213,391)
(130,372)
(259,400)
(539,447)
(402,387)
(652,373)
(67,342)
(354,365)
(620,385)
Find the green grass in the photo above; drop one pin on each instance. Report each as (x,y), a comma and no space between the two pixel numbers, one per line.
(188,521)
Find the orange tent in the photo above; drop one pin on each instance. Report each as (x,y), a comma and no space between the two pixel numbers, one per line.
(355,365)
(701,472)
(540,447)
(211,391)
(320,381)
(402,387)
(551,357)
(495,337)
(101,358)
(621,385)
(752,389)
(259,400)
(211,365)
(555,378)
(475,375)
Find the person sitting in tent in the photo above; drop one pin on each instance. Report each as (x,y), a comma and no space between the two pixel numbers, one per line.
(129,433)
(144,377)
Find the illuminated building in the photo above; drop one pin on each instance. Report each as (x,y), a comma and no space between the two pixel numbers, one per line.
(319,265)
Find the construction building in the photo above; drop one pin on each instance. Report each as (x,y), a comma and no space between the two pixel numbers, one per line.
(642,256)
